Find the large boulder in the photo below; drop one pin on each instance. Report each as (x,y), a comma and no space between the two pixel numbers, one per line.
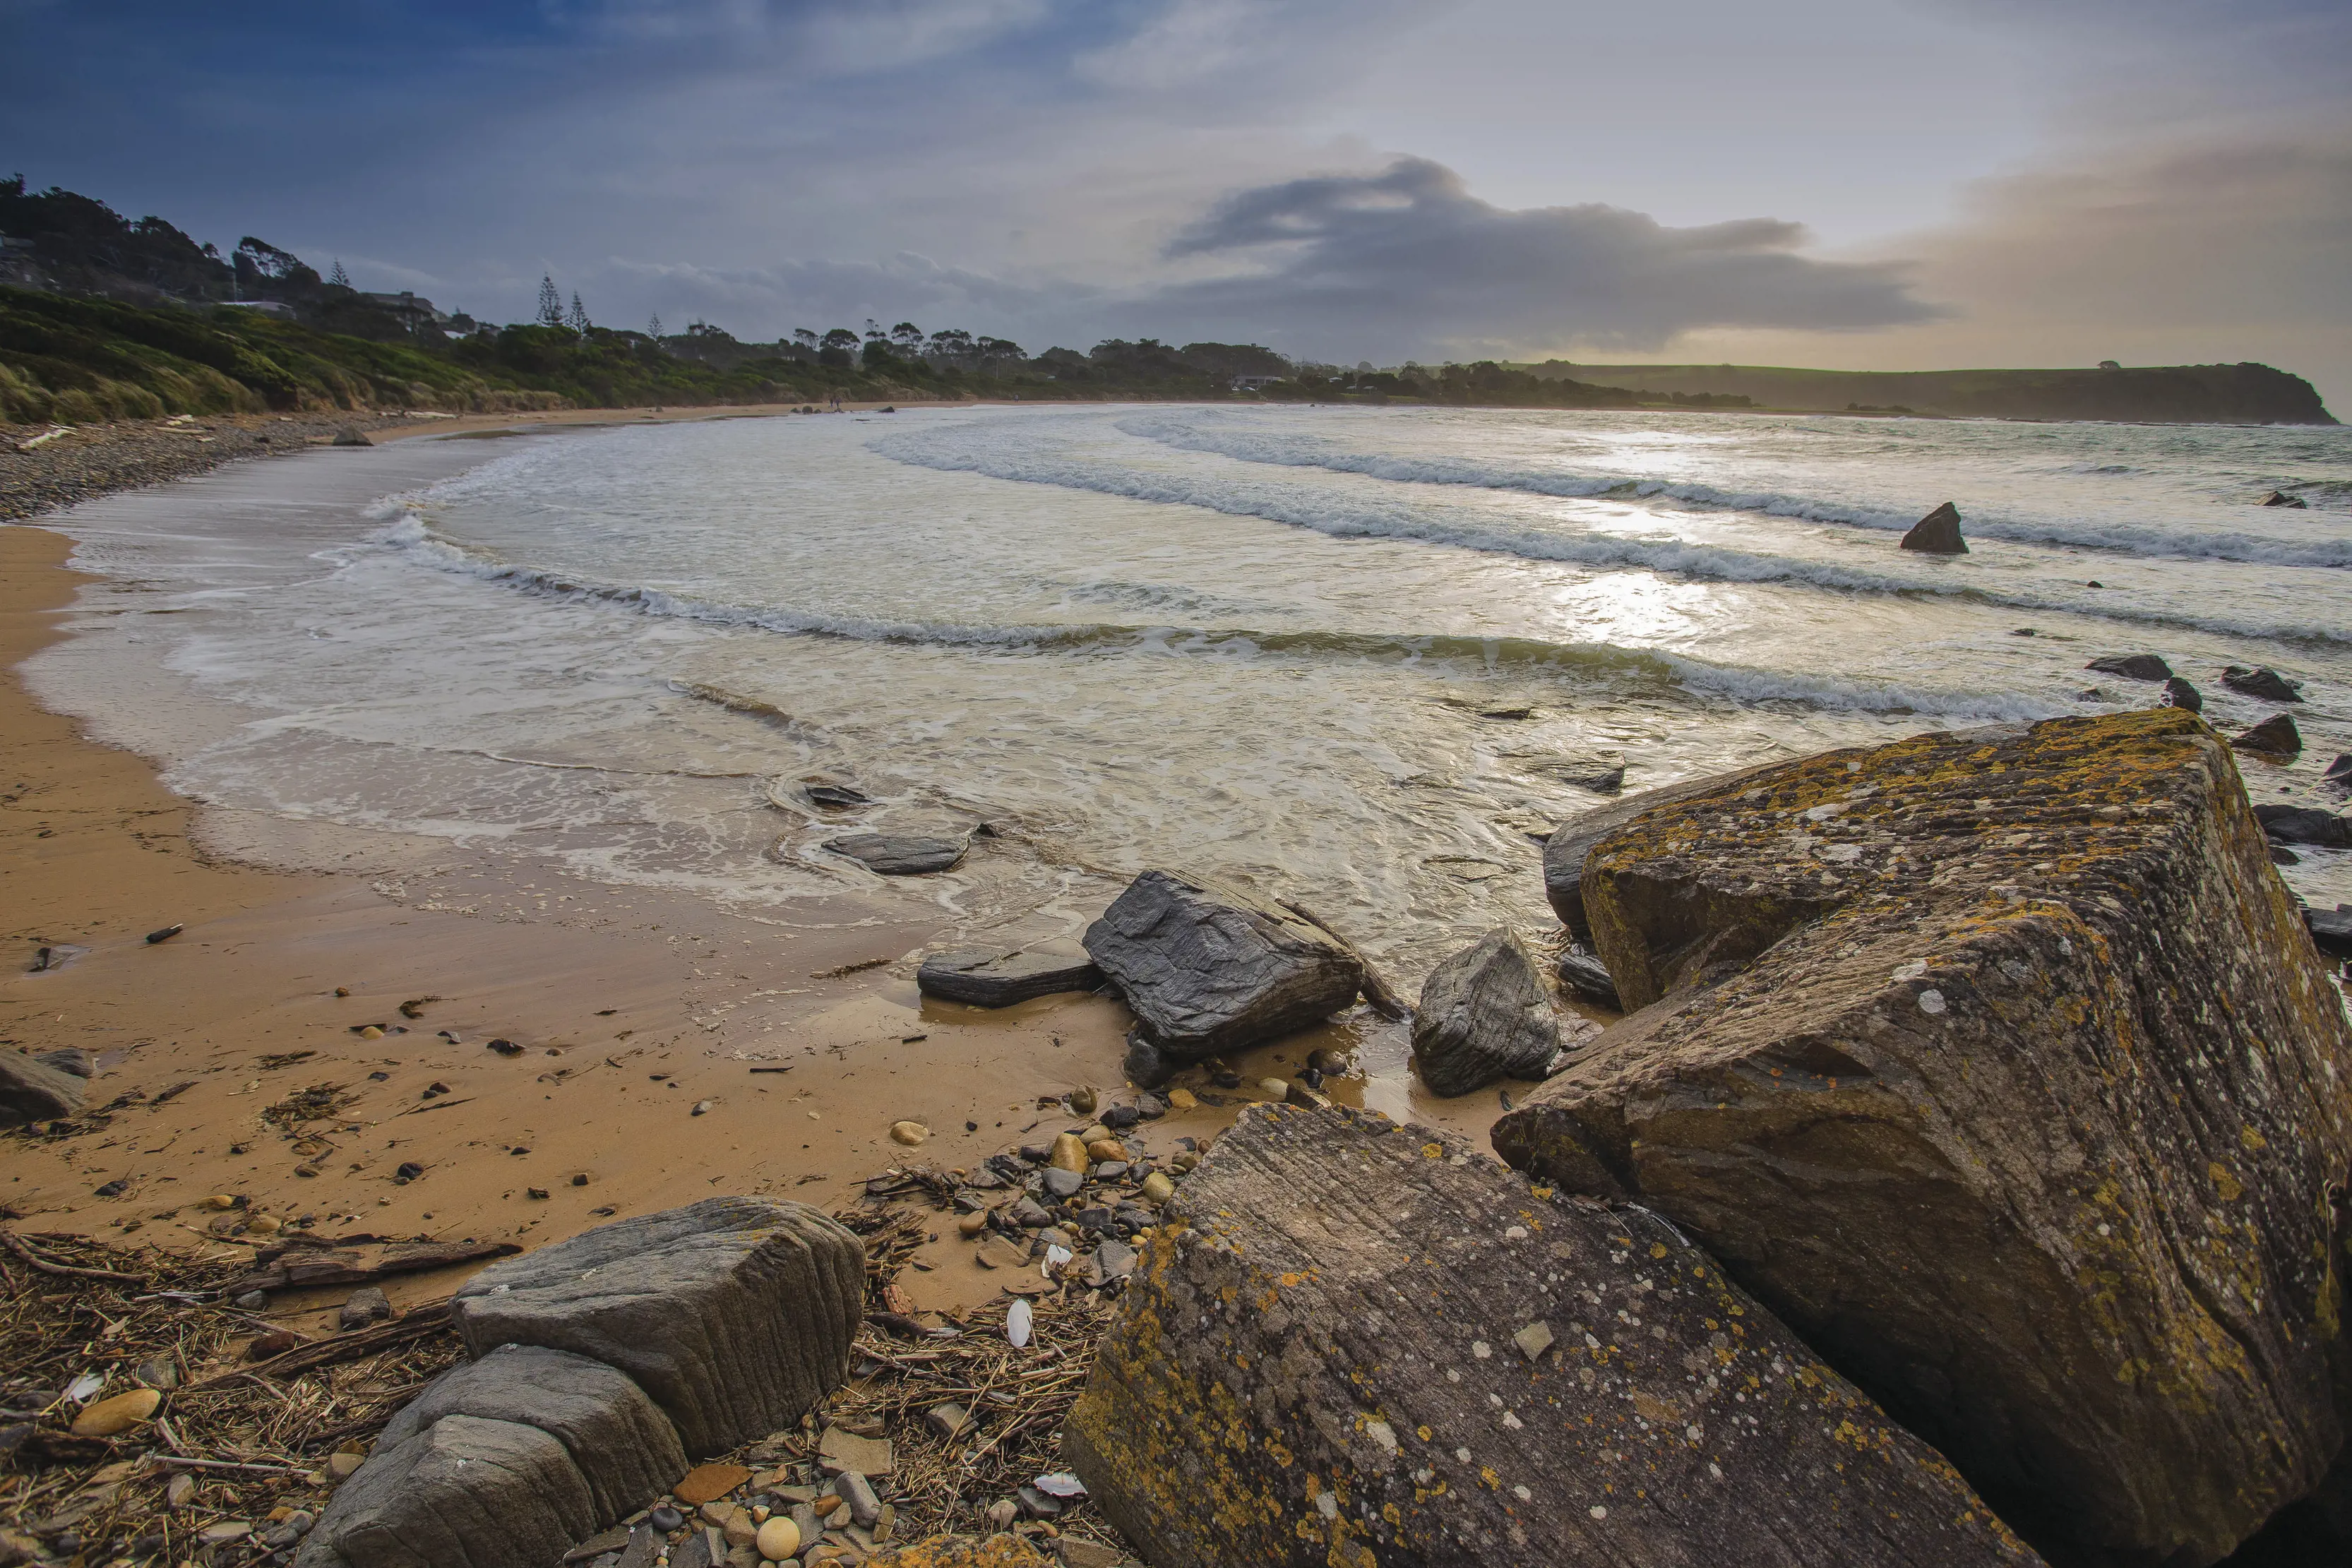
(32,1089)
(994,977)
(1353,1342)
(1484,1016)
(463,1493)
(2304,825)
(1564,851)
(623,1445)
(1937,533)
(1209,967)
(735,1314)
(2000,1066)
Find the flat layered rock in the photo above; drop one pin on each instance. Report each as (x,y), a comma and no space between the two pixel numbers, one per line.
(1353,1342)
(898,854)
(1564,851)
(624,1448)
(2000,1066)
(1587,977)
(734,1314)
(987,978)
(32,1089)
(1484,1017)
(463,1493)
(1209,967)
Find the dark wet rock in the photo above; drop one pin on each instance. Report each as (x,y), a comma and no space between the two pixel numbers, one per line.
(734,1314)
(1207,967)
(33,1090)
(1603,776)
(72,1058)
(1564,851)
(2340,770)
(1395,1350)
(1584,972)
(2180,693)
(2263,682)
(2331,930)
(834,794)
(1484,1017)
(2304,825)
(2281,499)
(2282,855)
(2132,666)
(898,854)
(1921,1062)
(367,1305)
(1146,1065)
(626,1449)
(1937,533)
(2275,737)
(995,978)
(464,1493)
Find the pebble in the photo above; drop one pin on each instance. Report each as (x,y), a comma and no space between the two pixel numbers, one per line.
(1157,1189)
(1105,1149)
(1274,1087)
(908,1133)
(344,1462)
(1064,1183)
(971,1224)
(226,1531)
(665,1518)
(1068,1154)
(1017,1324)
(252,1300)
(1118,1118)
(367,1305)
(1003,1513)
(778,1539)
(864,1506)
(950,1421)
(1082,1102)
(120,1414)
(372,1032)
(702,1108)
(708,1483)
(178,1490)
(1094,1133)
(1182,1100)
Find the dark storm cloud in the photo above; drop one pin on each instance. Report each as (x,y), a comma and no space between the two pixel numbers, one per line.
(1407,261)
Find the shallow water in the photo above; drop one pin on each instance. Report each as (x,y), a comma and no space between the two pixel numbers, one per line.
(1353,656)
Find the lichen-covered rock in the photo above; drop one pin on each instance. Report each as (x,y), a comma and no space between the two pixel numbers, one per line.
(1564,851)
(2000,1066)
(463,1493)
(1207,967)
(624,1447)
(33,1091)
(963,1551)
(734,1313)
(1484,1017)
(1353,1342)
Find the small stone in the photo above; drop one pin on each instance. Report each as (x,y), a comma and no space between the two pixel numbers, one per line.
(1003,1513)
(665,1518)
(1182,1100)
(342,1462)
(2180,693)
(2276,736)
(1274,1087)
(120,1414)
(950,1421)
(1068,1154)
(1062,1183)
(908,1133)
(1533,1339)
(157,1372)
(971,1224)
(864,1506)
(539,1193)
(1082,1102)
(702,1108)
(367,1305)
(178,1490)
(1157,1189)
(221,1200)
(1106,1149)
(840,1451)
(777,1539)
(706,1483)
(371,1031)
(1112,1170)
(252,1300)
(1028,1214)
(275,1343)
(1037,1505)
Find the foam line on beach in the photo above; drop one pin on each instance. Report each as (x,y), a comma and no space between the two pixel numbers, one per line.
(1219,438)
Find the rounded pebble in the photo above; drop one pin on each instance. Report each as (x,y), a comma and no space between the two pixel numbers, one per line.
(777,1539)
(1082,1102)
(908,1133)
(1157,1189)
(120,1414)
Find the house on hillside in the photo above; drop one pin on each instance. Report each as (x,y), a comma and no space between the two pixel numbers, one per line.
(276,308)
(1254,383)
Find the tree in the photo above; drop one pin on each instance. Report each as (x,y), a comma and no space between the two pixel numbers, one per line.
(551,303)
(654,328)
(577,317)
(874,333)
(804,338)
(339,278)
(908,336)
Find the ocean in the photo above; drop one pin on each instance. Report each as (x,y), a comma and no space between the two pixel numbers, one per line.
(1364,657)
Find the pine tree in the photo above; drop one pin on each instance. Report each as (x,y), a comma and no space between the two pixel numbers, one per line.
(339,277)
(578,319)
(654,328)
(551,303)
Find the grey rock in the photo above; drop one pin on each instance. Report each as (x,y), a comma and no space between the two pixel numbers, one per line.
(834,794)
(1146,1065)
(998,979)
(33,1090)
(735,1314)
(624,1447)
(2133,666)
(1207,967)
(1564,851)
(1063,1183)
(2180,693)
(1937,533)
(2263,682)
(898,854)
(864,1506)
(2275,737)
(464,1493)
(644,1548)
(1028,1215)
(367,1305)
(1390,1274)
(2304,825)
(1484,1017)
(2281,499)
(2340,770)
(1111,1261)
(72,1058)
(695,1552)
(1584,972)
(2331,930)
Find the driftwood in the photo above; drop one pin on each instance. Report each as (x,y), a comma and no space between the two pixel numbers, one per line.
(290,1270)
(50,1266)
(1377,990)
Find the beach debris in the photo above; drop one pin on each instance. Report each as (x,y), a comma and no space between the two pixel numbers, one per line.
(32,1089)
(280,1267)
(1937,533)
(1582,971)
(985,978)
(1019,1319)
(2281,499)
(2262,682)
(413,1007)
(2275,737)
(164,934)
(1378,1366)
(2132,666)
(1484,1016)
(909,1133)
(2180,693)
(899,855)
(702,1107)
(2120,839)
(1207,967)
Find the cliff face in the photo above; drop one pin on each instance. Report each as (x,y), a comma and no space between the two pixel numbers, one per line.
(2165,394)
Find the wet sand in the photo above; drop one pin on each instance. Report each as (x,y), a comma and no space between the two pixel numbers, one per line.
(632,1006)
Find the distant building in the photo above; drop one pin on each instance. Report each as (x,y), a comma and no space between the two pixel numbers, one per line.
(414,312)
(276,308)
(1254,383)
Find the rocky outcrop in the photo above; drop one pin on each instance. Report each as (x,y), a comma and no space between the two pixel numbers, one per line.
(1209,967)
(464,1493)
(1937,533)
(1564,851)
(899,855)
(734,1314)
(1484,1016)
(2133,666)
(2000,1066)
(1351,1341)
(994,977)
(2264,681)
(32,1089)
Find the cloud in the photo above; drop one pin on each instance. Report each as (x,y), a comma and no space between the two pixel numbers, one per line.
(1407,261)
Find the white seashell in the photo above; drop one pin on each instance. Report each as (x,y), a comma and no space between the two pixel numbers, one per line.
(1017,1323)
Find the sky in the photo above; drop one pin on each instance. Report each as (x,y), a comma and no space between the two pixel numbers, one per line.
(1857,184)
